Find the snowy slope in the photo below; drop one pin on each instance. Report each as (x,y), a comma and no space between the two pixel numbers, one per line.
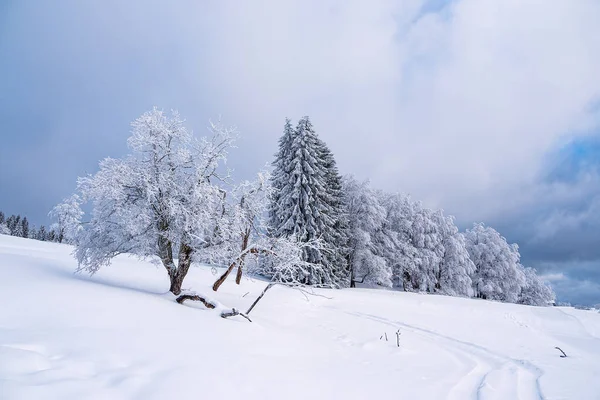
(117,335)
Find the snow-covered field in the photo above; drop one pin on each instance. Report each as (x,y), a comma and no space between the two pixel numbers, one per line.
(117,335)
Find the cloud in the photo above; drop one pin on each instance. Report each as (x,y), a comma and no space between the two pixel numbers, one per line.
(460,103)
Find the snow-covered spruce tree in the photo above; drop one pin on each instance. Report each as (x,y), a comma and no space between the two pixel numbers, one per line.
(336,237)
(68,216)
(305,208)
(24,228)
(498,275)
(3,228)
(535,292)
(280,177)
(33,232)
(42,234)
(366,218)
(157,202)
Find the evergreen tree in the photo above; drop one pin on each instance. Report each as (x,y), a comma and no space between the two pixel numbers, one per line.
(24,228)
(42,234)
(337,236)
(280,177)
(16,229)
(12,222)
(51,236)
(33,233)
(3,228)
(304,207)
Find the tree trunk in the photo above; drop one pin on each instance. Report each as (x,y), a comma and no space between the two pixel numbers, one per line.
(352,277)
(177,275)
(238,276)
(245,238)
(222,278)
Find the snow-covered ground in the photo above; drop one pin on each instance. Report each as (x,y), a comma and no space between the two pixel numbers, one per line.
(117,335)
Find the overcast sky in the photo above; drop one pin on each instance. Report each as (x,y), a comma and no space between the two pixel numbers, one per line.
(488,109)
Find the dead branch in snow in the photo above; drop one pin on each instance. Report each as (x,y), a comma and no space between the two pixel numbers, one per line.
(195,297)
(212,305)
(233,312)
(260,296)
(563,353)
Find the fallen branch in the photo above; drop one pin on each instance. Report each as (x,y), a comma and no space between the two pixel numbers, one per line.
(212,305)
(195,297)
(269,286)
(563,353)
(232,313)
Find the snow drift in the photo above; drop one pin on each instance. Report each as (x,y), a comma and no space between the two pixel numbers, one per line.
(120,335)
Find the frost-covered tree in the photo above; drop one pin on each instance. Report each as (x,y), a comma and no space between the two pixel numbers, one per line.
(396,238)
(304,207)
(280,177)
(423,248)
(428,242)
(456,267)
(366,219)
(15,226)
(244,227)
(535,292)
(336,236)
(33,232)
(159,201)
(68,216)
(498,275)
(42,234)
(4,229)
(24,232)
(2,218)
(51,236)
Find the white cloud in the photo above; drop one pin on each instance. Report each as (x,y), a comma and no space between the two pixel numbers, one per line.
(457,106)
(457,103)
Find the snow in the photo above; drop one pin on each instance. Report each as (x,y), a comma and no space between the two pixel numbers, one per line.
(119,335)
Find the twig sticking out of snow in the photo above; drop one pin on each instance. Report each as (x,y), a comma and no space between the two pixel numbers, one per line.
(398,337)
(269,286)
(563,353)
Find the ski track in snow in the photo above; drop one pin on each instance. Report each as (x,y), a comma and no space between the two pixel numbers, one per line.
(494,376)
(110,343)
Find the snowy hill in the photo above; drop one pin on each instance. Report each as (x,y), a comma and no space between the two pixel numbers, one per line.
(117,335)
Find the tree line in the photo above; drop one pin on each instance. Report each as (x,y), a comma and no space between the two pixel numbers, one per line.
(15,225)
(385,239)
(304,223)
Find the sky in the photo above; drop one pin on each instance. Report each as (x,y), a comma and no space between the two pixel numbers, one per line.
(489,109)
